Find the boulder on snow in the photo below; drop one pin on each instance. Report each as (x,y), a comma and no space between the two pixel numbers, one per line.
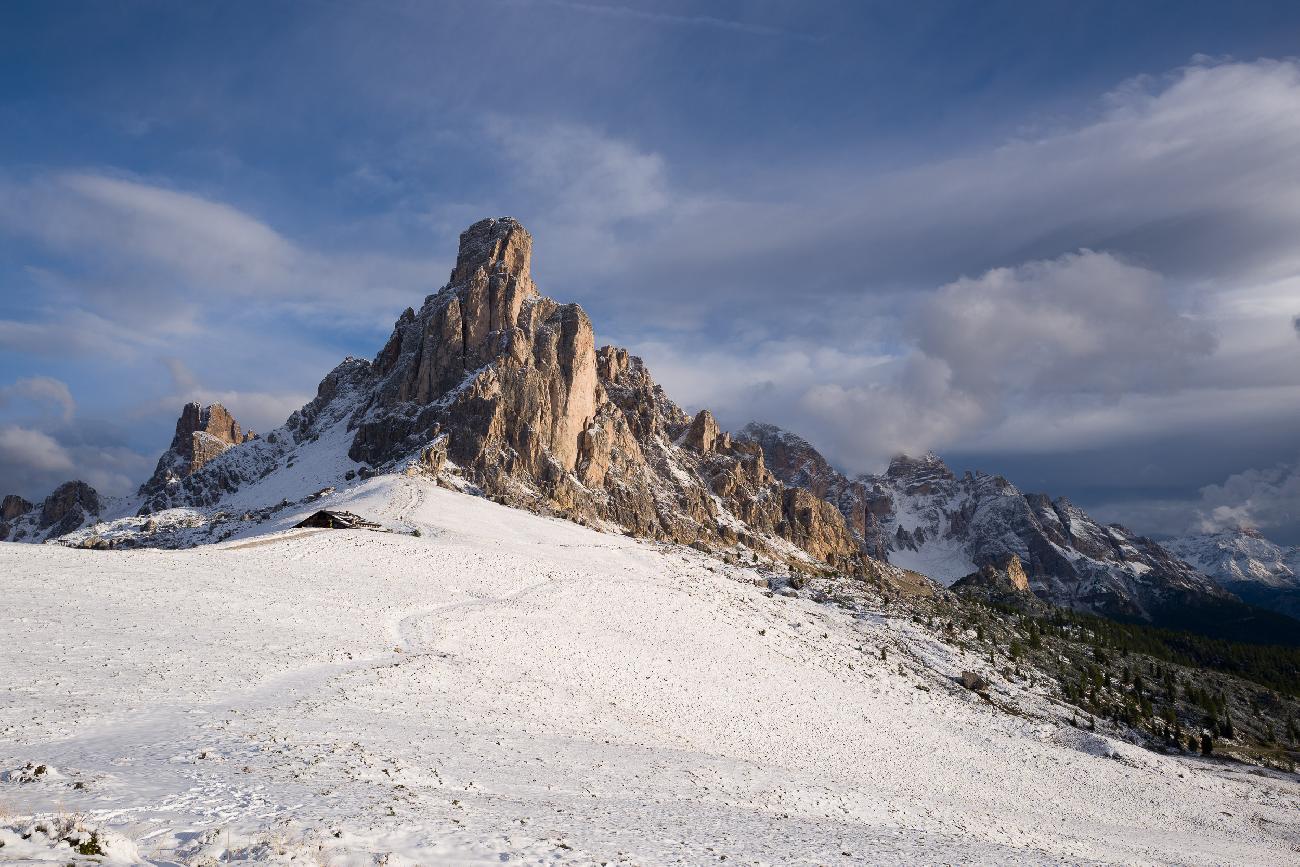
(974,682)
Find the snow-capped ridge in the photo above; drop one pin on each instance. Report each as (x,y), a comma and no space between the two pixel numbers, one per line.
(922,516)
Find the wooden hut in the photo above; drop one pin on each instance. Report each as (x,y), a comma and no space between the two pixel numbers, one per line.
(331,519)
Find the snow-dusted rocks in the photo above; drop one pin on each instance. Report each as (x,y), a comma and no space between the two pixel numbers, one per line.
(68,508)
(202,435)
(925,518)
(510,386)
(13,506)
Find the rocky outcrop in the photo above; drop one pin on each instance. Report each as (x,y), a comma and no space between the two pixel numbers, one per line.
(704,435)
(506,387)
(494,388)
(70,506)
(1002,583)
(1008,576)
(12,510)
(13,506)
(797,463)
(202,435)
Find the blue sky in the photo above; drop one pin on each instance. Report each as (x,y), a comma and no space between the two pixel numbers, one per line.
(1053,240)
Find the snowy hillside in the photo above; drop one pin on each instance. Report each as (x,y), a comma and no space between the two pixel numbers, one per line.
(506,686)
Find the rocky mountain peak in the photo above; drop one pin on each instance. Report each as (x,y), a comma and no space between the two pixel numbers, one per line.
(1007,573)
(12,510)
(508,384)
(1245,562)
(497,245)
(922,517)
(13,506)
(492,388)
(68,508)
(927,465)
(71,504)
(202,434)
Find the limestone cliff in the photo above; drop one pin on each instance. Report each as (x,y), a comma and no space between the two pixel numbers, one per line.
(202,434)
(508,387)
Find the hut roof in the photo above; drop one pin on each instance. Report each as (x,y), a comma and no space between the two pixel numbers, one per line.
(333,519)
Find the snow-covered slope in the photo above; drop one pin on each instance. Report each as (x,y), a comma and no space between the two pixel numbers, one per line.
(506,686)
(1243,561)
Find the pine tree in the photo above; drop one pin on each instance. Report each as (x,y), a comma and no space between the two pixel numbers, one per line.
(1207,744)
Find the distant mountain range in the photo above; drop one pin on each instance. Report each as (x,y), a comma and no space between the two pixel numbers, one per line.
(1242,560)
(920,516)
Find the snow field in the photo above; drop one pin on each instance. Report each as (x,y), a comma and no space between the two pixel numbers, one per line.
(509,687)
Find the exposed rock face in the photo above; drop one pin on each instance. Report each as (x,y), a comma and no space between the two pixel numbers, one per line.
(70,506)
(13,506)
(1009,575)
(491,386)
(202,434)
(1015,573)
(1003,583)
(533,414)
(12,509)
(705,436)
(796,462)
(923,517)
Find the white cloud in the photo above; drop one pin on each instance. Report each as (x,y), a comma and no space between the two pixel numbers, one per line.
(1262,499)
(141,265)
(185,233)
(43,390)
(696,21)
(1135,275)
(1083,322)
(33,462)
(1267,500)
(24,451)
(1049,337)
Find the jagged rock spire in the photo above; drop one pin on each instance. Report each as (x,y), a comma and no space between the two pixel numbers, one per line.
(495,244)
(13,506)
(510,381)
(202,433)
